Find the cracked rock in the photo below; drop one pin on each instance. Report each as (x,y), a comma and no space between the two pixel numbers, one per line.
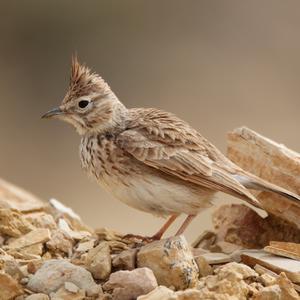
(127,285)
(171,262)
(54,273)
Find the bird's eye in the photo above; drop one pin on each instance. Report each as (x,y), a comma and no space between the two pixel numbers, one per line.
(83,103)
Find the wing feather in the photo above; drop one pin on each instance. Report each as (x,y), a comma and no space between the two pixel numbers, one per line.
(164,142)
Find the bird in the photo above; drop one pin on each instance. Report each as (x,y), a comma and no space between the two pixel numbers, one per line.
(148,158)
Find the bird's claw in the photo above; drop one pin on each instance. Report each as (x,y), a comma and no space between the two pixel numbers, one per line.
(145,239)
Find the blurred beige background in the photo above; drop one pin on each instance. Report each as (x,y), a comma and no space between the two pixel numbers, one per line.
(217,64)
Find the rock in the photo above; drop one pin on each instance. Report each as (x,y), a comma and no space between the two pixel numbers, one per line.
(34,265)
(63,294)
(85,246)
(205,240)
(291,250)
(171,262)
(216,258)
(228,281)
(104,296)
(9,287)
(12,223)
(251,151)
(203,266)
(224,247)
(71,287)
(41,219)
(287,288)
(98,261)
(61,242)
(127,285)
(239,224)
(272,292)
(14,197)
(40,235)
(274,263)
(126,260)
(159,293)
(38,296)
(54,273)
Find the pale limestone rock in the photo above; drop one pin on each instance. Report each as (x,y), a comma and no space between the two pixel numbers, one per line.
(127,285)
(14,197)
(203,266)
(13,223)
(9,287)
(272,292)
(235,268)
(274,263)
(40,235)
(287,288)
(159,293)
(216,258)
(38,296)
(54,273)
(104,296)
(171,262)
(71,287)
(251,151)
(60,241)
(267,279)
(98,261)
(13,268)
(227,282)
(35,250)
(85,246)
(41,219)
(63,294)
(126,260)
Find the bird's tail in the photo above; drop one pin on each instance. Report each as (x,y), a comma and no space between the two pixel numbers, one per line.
(251,181)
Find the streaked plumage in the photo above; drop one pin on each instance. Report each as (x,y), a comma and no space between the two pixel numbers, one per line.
(148,158)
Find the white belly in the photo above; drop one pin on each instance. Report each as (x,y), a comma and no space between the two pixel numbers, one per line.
(158,196)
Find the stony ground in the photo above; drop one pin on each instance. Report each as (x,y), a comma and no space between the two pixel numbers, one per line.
(50,254)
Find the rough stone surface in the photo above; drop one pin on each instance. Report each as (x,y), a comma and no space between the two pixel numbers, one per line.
(41,219)
(203,266)
(13,223)
(38,296)
(127,285)
(251,151)
(54,273)
(171,262)
(126,260)
(228,280)
(9,287)
(40,235)
(241,225)
(63,294)
(60,241)
(159,293)
(98,261)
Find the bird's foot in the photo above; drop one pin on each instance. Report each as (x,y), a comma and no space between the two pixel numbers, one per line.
(141,238)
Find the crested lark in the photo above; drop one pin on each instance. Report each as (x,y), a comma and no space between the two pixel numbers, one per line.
(148,158)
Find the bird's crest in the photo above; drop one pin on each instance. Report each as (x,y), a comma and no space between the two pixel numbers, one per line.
(84,82)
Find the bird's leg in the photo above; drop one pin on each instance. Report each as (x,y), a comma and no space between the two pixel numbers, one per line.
(156,236)
(185,224)
(163,229)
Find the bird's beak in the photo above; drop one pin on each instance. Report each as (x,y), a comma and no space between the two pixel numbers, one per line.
(55,112)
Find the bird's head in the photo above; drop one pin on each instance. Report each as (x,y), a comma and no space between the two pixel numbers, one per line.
(89,105)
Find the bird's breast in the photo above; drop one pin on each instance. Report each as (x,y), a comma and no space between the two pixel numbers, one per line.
(102,159)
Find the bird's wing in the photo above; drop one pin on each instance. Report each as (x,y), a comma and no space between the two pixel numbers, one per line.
(165,142)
